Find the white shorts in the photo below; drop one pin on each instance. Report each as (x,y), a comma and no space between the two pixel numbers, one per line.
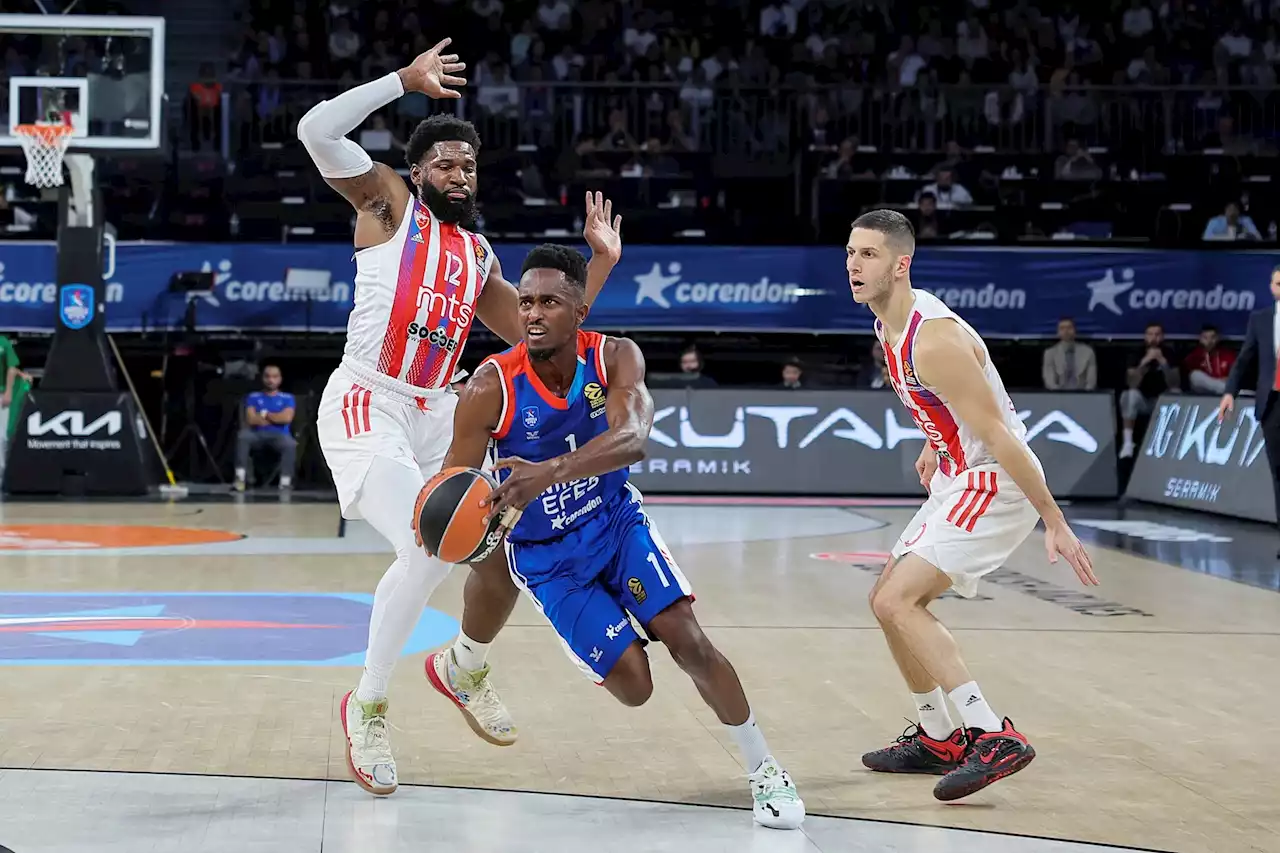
(969,526)
(361,417)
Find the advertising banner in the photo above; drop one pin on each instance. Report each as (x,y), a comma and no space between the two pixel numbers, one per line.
(79,443)
(1003,292)
(770,442)
(1189,460)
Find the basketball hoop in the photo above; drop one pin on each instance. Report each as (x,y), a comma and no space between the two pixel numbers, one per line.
(45,144)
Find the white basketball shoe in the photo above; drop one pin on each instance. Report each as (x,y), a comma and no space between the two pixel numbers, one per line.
(775,802)
(474,695)
(368,748)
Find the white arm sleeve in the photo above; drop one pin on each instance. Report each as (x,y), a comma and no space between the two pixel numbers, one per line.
(324,128)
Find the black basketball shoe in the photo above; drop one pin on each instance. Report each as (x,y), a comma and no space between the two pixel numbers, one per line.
(991,757)
(916,752)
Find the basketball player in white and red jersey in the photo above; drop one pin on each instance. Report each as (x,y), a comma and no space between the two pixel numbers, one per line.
(385,419)
(986,493)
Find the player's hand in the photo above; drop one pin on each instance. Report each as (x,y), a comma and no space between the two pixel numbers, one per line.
(433,72)
(1059,539)
(603,230)
(1226,404)
(526,481)
(926,466)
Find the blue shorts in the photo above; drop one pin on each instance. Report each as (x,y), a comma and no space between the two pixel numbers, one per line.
(587,581)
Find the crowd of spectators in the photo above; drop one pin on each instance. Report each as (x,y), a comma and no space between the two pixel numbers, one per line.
(1010,63)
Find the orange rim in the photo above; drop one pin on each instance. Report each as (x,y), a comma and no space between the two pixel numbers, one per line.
(47,132)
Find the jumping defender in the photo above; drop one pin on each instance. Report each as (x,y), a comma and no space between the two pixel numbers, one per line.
(422,276)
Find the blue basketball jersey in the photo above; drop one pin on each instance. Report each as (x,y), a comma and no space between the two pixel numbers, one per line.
(537,425)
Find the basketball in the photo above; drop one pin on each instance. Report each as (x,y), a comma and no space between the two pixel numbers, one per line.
(449,518)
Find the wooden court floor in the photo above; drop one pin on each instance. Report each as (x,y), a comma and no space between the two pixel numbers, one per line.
(1150,700)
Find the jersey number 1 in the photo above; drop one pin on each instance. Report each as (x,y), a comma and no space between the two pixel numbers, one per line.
(573,442)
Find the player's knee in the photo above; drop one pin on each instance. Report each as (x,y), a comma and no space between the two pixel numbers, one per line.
(630,681)
(873,597)
(420,563)
(888,605)
(691,649)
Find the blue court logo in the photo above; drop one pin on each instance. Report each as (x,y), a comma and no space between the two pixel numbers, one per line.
(75,305)
(531,418)
(197,629)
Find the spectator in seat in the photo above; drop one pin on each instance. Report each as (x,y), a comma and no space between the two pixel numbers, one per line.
(1209,364)
(268,414)
(1076,164)
(1069,365)
(1150,374)
(948,193)
(691,375)
(792,374)
(929,220)
(1231,225)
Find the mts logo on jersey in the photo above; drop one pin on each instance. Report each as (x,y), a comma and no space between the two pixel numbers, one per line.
(446,307)
(930,429)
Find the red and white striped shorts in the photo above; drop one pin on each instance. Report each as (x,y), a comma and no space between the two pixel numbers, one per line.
(358,420)
(970,525)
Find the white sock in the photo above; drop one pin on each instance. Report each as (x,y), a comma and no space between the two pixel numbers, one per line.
(240,474)
(286,480)
(386,502)
(751,742)
(934,719)
(1128,435)
(469,654)
(973,708)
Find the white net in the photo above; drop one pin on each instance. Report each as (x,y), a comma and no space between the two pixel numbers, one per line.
(45,144)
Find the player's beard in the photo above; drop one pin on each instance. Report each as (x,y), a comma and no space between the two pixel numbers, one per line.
(447,210)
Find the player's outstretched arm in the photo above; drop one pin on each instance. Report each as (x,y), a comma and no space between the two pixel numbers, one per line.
(373,189)
(945,358)
(499,304)
(475,418)
(629,409)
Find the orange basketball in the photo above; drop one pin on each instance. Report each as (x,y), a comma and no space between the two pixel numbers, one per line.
(449,519)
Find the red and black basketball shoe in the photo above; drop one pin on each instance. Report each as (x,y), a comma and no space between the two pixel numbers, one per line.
(991,757)
(916,752)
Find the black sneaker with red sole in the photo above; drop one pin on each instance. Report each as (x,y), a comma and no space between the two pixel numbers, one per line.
(991,757)
(916,752)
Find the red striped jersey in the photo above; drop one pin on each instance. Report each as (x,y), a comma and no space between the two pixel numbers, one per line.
(415,300)
(957,447)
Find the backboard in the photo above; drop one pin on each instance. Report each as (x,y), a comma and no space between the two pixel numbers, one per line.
(105,71)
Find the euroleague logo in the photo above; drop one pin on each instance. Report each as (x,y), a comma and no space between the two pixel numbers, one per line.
(595,396)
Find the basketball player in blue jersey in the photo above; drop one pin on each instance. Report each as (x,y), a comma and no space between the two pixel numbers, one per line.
(569,413)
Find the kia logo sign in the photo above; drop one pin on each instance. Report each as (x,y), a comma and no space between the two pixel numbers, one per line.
(715,441)
(73,424)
